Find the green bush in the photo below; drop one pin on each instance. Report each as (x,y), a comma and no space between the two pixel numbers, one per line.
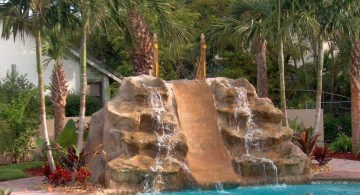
(236,65)
(73,105)
(335,125)
(114,89)
(19,116)
(341,144)
(125,69)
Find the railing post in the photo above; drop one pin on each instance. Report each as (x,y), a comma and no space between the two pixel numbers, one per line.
(155,69)
(201,72)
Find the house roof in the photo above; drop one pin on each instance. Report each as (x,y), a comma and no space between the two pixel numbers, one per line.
(100,66)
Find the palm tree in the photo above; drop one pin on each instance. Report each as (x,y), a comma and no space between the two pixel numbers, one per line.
(281,64)
(91,12)
(355,95)
(129,16)
(328,15)
(55,46)
(19,17)
(260,20)
(246,18)
(348,40)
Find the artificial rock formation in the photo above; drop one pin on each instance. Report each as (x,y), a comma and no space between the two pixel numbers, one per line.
(161,136)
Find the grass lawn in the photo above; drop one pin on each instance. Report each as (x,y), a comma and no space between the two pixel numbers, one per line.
(17,171)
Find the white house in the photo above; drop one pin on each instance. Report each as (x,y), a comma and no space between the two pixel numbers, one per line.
(20,55)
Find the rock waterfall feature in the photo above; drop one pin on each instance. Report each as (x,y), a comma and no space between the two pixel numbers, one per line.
(164,136)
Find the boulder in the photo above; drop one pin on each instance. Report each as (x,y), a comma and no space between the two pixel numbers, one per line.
(145,148)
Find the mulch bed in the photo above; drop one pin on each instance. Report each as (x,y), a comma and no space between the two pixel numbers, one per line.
(35,171)
(348,156)
(315,168)
(70,188)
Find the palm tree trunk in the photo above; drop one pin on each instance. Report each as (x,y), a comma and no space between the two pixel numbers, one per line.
(59,93)
(83,84)
(261,77)
(142,58)
(42,101)
(59,120)
(281,69)
(320,64)
(355,96)
(282,83)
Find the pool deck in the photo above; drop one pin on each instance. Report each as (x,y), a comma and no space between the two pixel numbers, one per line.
(343,170)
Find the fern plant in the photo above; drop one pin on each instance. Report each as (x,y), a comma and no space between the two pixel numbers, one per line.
(341,144)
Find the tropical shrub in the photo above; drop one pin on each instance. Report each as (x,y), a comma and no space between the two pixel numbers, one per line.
(69,159)
(335,125)
(61,176)
(83,175)
(68,136)
(341,144)
(321,155)
(295,125)
(73,158)
(73,105)
(19,114)
(305,140)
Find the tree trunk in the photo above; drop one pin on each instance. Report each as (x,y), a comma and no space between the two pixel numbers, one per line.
(355,96)
(59,93)
(142,58)
(285,122)
(261,77)
(319,85)
(83,82)
(59,120)
(42,111)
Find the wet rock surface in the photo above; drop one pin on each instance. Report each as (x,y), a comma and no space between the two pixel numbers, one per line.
(146,150)
(260,147)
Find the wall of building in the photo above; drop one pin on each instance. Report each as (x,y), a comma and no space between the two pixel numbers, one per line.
(21,53)
(307,116)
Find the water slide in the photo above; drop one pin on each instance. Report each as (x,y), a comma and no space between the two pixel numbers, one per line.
(208,159)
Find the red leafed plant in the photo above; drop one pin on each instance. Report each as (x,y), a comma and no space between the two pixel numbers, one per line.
(60,177)
(46,171)
(321,155)
(305,141)
(82,175)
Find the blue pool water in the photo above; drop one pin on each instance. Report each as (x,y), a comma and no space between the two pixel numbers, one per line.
(313,189)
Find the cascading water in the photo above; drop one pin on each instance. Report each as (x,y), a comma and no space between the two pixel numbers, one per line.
(252,132)
(154,179)
(220,187)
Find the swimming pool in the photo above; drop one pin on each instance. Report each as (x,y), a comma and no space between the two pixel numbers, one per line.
(313,189)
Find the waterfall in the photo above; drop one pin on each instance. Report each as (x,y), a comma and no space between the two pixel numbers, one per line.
(220,188)
(154,179)
(241,105)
